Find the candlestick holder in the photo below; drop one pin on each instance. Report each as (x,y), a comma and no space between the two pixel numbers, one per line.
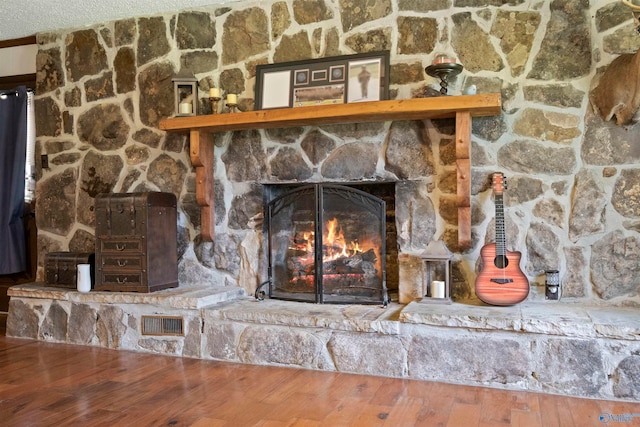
(233,107)
(214,104)
(444,71)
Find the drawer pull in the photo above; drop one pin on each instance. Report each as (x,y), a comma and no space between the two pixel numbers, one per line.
(121,247)
(121,281)
(122,262)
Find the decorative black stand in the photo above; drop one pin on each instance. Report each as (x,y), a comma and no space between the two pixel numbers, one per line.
(444,71)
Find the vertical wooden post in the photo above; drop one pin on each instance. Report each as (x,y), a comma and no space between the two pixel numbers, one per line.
(201,153)
(463,166)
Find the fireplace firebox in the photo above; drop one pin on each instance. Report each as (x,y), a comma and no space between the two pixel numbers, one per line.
(326,244)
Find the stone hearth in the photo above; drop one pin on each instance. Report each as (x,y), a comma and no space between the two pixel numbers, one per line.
(572,349)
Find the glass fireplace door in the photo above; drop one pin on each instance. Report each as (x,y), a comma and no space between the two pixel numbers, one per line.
(327,245)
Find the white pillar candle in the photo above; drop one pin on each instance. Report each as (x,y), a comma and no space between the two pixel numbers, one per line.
(214,92)
(437,289)
(185,108)
(232,99)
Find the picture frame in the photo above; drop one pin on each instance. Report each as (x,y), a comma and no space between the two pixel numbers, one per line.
(324,81)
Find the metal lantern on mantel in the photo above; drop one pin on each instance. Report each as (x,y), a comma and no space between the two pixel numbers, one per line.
(437,272)
(185,93)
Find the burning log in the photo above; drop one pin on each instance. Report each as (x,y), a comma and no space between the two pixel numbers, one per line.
(301,265)
(369,256)
(359,263)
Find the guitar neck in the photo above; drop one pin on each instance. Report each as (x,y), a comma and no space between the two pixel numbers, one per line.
(501,240)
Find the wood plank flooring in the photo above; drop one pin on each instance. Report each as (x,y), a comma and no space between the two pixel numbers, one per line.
(43,384)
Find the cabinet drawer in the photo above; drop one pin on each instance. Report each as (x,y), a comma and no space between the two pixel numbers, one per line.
(113,262)
(121,245)
(122,279)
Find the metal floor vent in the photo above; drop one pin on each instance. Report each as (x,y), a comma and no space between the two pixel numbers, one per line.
(162,325)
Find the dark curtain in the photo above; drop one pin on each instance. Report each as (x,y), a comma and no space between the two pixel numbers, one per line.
(13,148)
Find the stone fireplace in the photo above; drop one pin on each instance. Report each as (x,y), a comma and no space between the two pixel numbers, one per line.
(102,90)
(326,243)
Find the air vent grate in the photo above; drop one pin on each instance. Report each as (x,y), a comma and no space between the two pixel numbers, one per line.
(162,325)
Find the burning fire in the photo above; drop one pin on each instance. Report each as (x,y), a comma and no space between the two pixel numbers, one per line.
(334,242)
(345,264)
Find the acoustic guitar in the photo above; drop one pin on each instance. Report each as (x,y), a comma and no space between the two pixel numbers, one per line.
(500,282)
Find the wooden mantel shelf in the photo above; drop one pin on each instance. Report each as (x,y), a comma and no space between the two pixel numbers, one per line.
(376,111)
(462,108)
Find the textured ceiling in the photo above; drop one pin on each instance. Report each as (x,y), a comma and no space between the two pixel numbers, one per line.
(22,18)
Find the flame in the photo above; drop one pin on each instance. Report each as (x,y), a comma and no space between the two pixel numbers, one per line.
(335,243)
(309,237)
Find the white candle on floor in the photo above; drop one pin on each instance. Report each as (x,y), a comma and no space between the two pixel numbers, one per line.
(437,289)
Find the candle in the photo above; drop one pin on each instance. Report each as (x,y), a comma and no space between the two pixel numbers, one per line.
(437,289)
(232,99)
(185,108)
(214,92)
(443,59)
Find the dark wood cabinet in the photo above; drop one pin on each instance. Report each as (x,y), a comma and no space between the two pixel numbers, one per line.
(136,242)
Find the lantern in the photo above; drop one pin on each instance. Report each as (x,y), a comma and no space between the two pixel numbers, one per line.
(185,93)
(437,272)
(552,285)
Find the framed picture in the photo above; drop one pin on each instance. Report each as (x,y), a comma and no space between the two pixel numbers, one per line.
(336,80)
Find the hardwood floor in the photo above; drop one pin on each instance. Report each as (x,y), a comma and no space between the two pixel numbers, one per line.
(43,384)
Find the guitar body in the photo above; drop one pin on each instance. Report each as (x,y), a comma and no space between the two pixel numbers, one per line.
(501,282)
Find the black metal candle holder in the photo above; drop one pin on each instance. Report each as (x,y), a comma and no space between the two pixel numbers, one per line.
(444,71)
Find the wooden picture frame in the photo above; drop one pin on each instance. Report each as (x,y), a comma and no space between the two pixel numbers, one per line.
(337,80)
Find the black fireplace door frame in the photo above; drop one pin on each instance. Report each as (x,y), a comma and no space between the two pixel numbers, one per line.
(371,203)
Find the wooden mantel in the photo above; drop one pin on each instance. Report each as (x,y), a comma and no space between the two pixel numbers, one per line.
(201,129)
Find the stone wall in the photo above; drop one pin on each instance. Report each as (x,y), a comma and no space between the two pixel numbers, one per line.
(561,348)
(572,201)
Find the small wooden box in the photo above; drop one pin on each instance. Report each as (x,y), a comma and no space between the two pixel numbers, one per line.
(136,242)
(61,268)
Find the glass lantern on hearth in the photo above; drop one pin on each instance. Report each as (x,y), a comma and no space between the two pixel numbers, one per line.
(185,93)
(436,259)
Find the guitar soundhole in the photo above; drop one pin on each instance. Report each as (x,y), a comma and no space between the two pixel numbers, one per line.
(501,261)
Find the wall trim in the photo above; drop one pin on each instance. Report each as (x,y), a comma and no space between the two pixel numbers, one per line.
(18,42)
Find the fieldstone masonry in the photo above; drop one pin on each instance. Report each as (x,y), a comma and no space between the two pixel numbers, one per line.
(561,348)
(572,203)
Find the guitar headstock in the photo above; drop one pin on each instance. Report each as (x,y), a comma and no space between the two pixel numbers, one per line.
(499,182)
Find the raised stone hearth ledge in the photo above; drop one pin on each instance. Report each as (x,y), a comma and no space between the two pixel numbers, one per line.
(551,318)
(193,297)
(570,320)
(562,319)
(563,348)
